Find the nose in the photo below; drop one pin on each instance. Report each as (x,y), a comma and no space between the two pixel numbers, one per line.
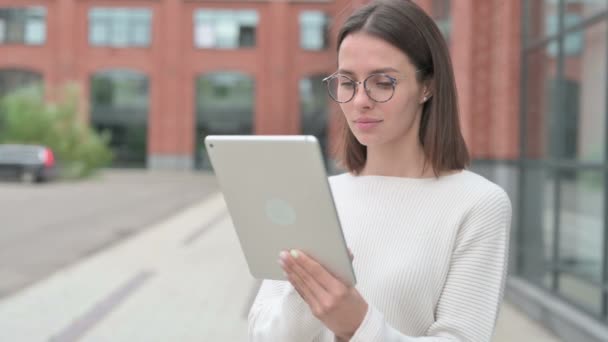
(362,99)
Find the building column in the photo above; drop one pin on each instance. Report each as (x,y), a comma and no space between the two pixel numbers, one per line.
(277,71)
(170,128)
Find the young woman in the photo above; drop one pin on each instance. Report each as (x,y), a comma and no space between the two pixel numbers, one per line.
(430,238)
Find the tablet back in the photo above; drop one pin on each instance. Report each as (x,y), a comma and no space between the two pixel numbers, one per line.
(278,196)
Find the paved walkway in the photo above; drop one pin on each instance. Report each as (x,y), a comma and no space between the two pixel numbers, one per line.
(183,279)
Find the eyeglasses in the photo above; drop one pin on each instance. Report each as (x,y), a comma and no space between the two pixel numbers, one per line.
(379,87)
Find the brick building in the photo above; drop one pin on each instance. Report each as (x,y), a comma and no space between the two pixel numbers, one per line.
(154,72)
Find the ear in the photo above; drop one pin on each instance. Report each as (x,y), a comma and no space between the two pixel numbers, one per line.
(426,92)
(426,96)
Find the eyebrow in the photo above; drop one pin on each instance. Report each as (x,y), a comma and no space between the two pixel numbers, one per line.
(375,71)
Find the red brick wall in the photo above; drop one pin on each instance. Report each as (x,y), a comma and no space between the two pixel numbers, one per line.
(505,80)
(486,56)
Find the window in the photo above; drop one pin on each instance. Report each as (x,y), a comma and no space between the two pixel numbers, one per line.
(15,79)
(23,25)
(120,27)
(225,104)
(225,29)
(119,105)
(314,30)
(314,115)
(573,44)
(585,9)
(563,228)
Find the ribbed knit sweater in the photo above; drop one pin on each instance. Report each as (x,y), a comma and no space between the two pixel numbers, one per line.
(430,260)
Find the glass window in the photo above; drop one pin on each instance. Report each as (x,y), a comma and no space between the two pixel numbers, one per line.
(573,44)
(2,30)
(543,16)
(224,105)
(225,102)
(541,102)
(35,26)
(538,224)
(581,223)
(581,234)
(538,13)
(140,28)
(584,109)
(583,9)
(314,110)
(314,30)
(120,27)
(225,29)
(99,26)
(14,79)
(119,105)
(25,25)
(565,117)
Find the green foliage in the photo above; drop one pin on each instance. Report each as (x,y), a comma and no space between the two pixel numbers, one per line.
(25,118)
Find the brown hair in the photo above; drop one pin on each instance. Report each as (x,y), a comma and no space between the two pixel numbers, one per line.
(406,26)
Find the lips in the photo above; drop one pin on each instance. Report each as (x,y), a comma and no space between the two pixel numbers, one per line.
(366,124)
(367,120)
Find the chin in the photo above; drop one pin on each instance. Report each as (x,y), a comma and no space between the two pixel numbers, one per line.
(372,137)
(366,139)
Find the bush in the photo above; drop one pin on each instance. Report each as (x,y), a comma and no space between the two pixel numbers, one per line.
(25,118)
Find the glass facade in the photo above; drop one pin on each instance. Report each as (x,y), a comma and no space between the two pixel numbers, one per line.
(224,105)
(119,105)
(314,33)
(23,25)
(14,79)
(314,110)
(120,27)
(225,29)
(563,241)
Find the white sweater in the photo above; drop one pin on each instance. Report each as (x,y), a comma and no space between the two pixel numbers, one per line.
(430,260)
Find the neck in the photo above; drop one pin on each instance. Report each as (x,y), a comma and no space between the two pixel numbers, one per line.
(404,158)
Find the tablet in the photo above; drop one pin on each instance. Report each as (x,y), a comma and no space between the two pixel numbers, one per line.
(277,193)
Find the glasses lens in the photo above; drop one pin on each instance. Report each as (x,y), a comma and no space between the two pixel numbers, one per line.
(341,88)
(380,87)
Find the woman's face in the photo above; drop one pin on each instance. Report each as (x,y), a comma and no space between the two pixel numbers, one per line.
(373,123)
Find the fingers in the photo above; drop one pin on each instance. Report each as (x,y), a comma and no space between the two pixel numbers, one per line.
(350,254)
(317,294)
(317,277)
(300,286)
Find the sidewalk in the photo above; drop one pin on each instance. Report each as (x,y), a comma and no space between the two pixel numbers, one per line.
(183,279)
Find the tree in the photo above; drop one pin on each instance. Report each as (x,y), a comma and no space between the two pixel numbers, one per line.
(25,118)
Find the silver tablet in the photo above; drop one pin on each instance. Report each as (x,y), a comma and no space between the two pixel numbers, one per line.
(278,196)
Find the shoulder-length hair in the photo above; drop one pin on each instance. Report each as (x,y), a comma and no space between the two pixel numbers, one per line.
(406,26)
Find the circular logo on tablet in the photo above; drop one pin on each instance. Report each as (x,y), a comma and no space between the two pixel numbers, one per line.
(280,212)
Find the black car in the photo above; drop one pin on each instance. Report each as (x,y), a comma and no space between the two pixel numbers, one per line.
(29,163)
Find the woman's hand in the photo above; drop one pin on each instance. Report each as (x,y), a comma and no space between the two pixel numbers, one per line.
(340,307)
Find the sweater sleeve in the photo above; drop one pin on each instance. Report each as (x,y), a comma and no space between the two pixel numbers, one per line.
(470,300)
(280,314)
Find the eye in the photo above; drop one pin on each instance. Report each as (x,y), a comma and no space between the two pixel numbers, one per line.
(384,85)
(347,84)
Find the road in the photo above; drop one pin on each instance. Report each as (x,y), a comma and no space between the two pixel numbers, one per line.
(44,228)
